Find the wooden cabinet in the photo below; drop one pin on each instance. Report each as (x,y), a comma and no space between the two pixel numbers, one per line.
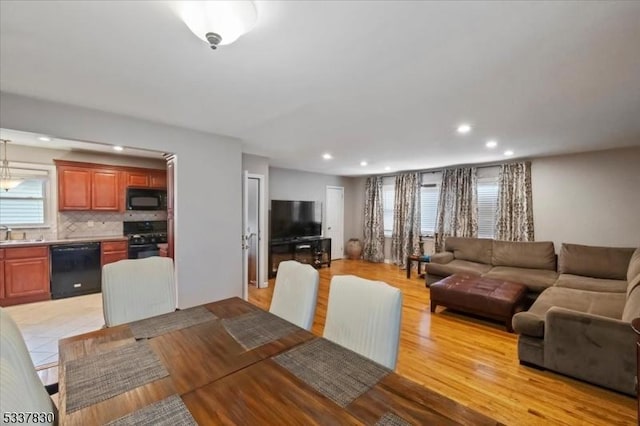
(158,179)
(105,190)
(74,188)
(1,274)
(138,179)
(147,179)
(88,188)
(25,275)
(113,251)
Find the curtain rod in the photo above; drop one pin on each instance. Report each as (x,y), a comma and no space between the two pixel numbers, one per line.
(457,166)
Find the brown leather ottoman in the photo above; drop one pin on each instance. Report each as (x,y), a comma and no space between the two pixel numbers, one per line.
(487,297)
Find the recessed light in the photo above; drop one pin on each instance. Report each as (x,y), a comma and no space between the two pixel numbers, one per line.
(118,148)
(491,144)
(327,156)
(44,139)
(387,168)
(363,163)
(508,153)
(464,128)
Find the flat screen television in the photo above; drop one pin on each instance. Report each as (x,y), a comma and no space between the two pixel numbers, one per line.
(295,219)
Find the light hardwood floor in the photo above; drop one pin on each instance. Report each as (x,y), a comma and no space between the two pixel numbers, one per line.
(473,361)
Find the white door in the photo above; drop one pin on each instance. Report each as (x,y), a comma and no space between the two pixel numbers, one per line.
(334,227)
(253,247)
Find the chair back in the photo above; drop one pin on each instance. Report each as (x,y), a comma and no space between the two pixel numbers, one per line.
(296,293)
(21,390)
(364,316)
(135,289)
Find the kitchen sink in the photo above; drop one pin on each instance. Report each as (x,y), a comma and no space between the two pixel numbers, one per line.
(6,242)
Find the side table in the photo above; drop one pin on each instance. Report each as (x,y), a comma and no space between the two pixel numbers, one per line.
(416,258)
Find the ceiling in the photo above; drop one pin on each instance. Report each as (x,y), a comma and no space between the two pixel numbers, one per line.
(385,82)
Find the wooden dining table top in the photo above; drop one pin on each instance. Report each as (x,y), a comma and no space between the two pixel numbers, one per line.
(221,382)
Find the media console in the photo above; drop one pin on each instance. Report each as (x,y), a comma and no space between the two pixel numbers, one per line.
(315,251)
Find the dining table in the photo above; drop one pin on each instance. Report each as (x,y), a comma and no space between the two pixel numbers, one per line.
(232,363)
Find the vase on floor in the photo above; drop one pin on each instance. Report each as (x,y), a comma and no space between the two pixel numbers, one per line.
(354,249)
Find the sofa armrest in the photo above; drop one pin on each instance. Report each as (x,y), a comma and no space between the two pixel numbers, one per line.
(442,257)
(594,348)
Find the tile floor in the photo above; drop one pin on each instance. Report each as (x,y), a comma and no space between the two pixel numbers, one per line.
(43,323)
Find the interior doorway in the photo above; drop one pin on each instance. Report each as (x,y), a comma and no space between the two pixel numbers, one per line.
(254,254)
(334,227)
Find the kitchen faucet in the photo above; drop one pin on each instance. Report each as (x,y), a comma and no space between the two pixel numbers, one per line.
(7,231)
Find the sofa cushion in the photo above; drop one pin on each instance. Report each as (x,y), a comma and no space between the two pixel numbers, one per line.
(632,306)
(442,257)
(596,262)
(532,255)
(633,284)
(531,323)
(591,284)
(634,265)
(535,279)
(457,266)
(471,249)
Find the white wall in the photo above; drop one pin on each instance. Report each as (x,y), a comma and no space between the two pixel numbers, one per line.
(590,198)
(287,184)
(208,186)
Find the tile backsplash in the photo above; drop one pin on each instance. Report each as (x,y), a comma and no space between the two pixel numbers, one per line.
(99,224)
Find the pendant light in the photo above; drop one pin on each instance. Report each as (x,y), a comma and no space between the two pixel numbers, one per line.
(6,182)
(218,22)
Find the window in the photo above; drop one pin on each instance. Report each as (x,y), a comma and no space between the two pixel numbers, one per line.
(487,207)
(429,195)
(388,200)
(24,204)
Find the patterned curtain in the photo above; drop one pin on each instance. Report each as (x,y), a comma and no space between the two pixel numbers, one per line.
(514,219)
(405,238)
(373,247)
(458,205)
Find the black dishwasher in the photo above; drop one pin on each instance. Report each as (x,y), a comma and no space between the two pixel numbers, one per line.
(75,269)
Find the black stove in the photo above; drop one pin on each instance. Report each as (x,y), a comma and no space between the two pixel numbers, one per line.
(144,237)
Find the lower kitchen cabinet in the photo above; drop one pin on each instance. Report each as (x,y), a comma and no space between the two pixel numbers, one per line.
(25,273)
(113,251)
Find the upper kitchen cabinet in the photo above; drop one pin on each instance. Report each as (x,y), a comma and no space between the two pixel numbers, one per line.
(88,187)
(147,179)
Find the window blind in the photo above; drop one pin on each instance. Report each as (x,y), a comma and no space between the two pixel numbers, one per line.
(487,207)
(24,204)
(429,195)
(388,200)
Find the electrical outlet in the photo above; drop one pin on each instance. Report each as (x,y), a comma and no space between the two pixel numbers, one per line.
(90,223)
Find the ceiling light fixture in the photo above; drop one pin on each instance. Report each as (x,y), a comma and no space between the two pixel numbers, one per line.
(387,168)
(218,22)
(44,139)
(327,156)
(508,153)
(363,163)
(118,148)
(6,181)
(464,128)
(491,144)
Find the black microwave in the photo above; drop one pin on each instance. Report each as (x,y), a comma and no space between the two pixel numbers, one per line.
(146,199)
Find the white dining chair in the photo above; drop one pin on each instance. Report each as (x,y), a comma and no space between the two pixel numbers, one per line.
(364,316)
(21,390)
(134,289)
(296,293)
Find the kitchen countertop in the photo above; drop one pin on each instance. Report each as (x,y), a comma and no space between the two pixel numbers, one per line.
(31,243)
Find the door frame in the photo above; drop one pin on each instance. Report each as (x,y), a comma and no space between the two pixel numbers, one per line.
(262,240)
(326,204)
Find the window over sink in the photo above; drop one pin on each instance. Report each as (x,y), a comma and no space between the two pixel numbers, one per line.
(26,205)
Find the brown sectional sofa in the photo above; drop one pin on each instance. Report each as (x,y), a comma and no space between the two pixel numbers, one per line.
(530,263)
(581,326)
(579,323)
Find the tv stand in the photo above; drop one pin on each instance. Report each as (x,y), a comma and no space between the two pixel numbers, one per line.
(315,251)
